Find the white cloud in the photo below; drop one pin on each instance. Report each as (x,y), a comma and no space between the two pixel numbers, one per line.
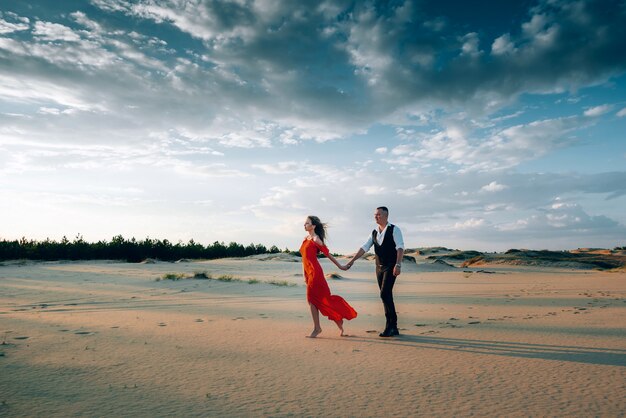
(25,90)
(494,187)
(598,110)
(373,190)
(502,45)
(49,111)
(505,147)
(245,139)
(49,31)
(470,44)
(569,217)
(622,113)
(12,46)
(412,191)
(283,167)
(381,150)
(469,224)
(520,224)
(8,27)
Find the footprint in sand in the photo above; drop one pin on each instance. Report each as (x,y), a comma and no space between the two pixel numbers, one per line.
(238,318)
(371,331)
(162,324)
(421,325)
(21,338)
(199,320)
(83,332)
(473,322)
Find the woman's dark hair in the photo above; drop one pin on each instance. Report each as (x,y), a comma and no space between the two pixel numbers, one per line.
(320,228)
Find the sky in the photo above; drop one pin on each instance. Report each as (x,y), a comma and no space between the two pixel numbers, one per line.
(480,125)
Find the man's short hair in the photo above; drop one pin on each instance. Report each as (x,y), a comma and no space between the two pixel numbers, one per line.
(384,209)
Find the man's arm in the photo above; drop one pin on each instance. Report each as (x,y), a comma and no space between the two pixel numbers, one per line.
(399,240)
(397,268)
(365,247)
(355,257)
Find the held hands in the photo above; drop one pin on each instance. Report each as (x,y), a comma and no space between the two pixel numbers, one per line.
(346,267)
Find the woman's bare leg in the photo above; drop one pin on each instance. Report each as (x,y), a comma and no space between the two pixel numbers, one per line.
(340,326)
(316,321)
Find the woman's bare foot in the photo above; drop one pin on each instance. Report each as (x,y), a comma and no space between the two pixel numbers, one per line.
(340,326)
(315,333)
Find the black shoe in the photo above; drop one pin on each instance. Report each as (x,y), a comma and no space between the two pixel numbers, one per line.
(394,331)
(386,333)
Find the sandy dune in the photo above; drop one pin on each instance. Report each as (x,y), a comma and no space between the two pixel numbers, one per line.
(107,339)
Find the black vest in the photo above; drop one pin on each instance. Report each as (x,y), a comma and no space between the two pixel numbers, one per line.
(386,254)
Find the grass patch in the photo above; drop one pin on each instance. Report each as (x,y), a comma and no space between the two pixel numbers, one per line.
(227,278)
(172,276)
(205,275)
(283,283)
(202,275)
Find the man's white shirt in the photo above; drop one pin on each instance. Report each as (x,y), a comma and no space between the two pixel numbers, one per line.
(380,236)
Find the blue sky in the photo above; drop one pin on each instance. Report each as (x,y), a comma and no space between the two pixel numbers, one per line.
(481,125)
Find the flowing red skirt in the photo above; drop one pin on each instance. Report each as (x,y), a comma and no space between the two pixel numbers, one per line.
(317,291)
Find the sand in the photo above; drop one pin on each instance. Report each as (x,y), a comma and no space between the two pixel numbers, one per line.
(108,339)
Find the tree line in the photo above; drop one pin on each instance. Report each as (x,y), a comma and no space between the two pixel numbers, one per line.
(120,248)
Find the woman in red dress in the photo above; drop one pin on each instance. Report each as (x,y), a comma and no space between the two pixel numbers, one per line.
(317,291)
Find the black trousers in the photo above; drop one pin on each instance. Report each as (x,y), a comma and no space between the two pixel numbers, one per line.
(386,280)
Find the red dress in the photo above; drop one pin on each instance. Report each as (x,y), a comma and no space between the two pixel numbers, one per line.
(317,291)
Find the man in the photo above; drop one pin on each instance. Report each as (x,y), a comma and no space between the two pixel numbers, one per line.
(389,248)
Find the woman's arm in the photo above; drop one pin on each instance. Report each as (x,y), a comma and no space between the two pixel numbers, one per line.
(334,260)
(327,253)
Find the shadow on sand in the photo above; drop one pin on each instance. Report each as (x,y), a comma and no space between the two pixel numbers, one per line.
(588,355)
